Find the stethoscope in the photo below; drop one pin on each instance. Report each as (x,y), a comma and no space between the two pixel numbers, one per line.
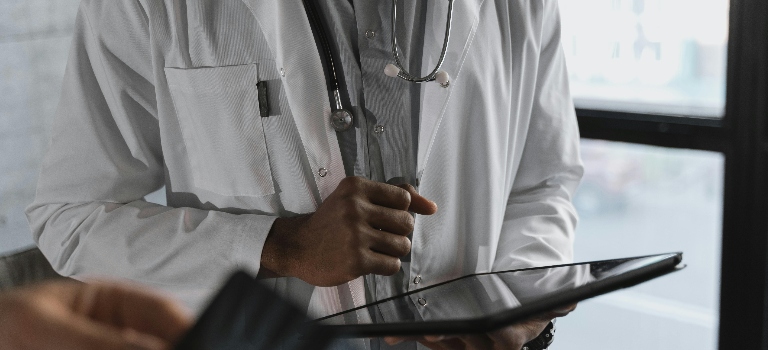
(341,119)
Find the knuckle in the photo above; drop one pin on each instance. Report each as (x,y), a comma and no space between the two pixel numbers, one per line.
(403,198)
(351,185)
(347,181)
(351,210)
(354,182)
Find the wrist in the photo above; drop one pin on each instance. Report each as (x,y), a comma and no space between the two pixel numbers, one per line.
(282,247)
(544,339)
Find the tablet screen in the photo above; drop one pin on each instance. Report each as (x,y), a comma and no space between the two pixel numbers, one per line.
(483,296)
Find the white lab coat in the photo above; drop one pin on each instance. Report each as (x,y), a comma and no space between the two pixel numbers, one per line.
(162,93)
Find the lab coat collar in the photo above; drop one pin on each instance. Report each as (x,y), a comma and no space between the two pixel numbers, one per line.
(435,98)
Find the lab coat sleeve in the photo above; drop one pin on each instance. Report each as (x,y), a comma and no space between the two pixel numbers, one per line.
(89,216)
(539,220)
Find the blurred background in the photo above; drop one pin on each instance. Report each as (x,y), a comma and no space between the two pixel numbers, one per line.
(652,57)
(641,56)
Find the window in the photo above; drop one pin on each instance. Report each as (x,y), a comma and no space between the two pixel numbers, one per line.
(669,93)
(647,56)
(638,200)
(642,71)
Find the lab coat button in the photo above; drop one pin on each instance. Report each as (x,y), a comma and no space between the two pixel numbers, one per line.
(282,72)
(378,129)
(370,34)
(322,172)
(422,301)
(417,280)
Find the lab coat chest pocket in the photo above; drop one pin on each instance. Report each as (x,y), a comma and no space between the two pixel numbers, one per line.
(218,112)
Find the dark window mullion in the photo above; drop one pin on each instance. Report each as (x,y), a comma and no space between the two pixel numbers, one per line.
(744,284)
(651,129)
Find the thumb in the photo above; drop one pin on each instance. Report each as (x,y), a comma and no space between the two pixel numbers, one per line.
(419,204)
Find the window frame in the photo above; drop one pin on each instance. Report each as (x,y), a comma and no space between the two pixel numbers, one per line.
(742,136)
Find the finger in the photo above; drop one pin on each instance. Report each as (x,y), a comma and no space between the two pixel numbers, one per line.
(387,195)
(448,343)
(510,338)
(419,204)
(431,342)
(388,243)
(394,340)
(427,338)
(443,342)
(125,306)
(476,341)
(381,264)
(399,222)
(563,311)
(515,336)
(435,338)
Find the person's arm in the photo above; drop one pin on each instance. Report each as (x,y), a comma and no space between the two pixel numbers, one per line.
(89,216)
(540,219)
(79,316)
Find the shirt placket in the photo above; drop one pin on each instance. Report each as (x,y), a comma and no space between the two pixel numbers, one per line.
(388,100)
(389,111)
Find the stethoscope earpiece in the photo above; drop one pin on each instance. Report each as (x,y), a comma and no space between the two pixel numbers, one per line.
(443,78)
(391,70)
(396,69)
(341,119)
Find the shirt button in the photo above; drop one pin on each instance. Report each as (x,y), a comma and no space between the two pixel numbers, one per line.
(341,120)
(378,129)
(422,301)
(417,280)
(370,34)
(322,172)
(282,72)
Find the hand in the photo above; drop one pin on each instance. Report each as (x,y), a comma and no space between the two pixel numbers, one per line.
(78,316)
(508,338)
(361,228)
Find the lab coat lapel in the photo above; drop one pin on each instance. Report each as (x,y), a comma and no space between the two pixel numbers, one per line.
(435,98)
(286,28)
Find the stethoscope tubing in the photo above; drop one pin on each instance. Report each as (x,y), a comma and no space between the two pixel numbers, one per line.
(341,119)
(404,74)
(313,15)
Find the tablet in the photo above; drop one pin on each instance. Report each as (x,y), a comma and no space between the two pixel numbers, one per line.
(246,315)
(485,302)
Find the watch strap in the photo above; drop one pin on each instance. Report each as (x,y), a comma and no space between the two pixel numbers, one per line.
(544,340)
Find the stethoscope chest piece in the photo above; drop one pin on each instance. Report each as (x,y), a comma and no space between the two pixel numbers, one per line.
(341,120)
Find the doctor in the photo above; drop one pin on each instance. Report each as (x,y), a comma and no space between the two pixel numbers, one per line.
(228,104)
